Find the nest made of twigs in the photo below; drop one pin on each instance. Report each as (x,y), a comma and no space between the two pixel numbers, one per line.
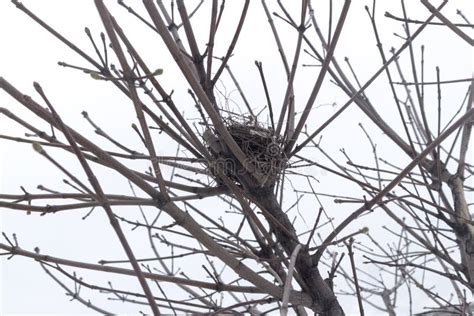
(260,145)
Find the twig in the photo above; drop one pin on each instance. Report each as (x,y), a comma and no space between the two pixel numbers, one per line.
(448,23)
(354,273)
(288,99)
(322,74)
(466,135)
(289,277)
(377,198)
(100,197)
(74,294)
(391,16)
(368,83)
(231,47)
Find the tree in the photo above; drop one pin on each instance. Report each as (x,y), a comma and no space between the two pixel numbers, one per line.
(227,207)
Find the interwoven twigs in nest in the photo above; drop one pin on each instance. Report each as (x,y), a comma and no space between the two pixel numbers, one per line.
(261,146)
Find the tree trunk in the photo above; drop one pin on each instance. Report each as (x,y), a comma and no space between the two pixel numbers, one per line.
(325,302)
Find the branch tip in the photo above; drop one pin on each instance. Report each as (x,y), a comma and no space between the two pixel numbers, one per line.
(38,148)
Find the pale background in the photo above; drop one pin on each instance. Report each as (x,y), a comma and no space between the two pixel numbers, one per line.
(28,53)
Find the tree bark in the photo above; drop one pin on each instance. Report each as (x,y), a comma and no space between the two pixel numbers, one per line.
(325,302)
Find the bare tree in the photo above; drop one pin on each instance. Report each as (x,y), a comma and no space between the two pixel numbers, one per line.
(230,199)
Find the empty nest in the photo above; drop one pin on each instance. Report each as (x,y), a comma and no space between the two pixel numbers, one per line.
(260,145)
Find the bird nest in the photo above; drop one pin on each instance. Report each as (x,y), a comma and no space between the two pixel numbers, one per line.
(262,148)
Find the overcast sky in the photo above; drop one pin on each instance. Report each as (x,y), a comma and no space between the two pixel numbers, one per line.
(28,53)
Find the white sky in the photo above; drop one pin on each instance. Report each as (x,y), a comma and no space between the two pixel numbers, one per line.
(28,53)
